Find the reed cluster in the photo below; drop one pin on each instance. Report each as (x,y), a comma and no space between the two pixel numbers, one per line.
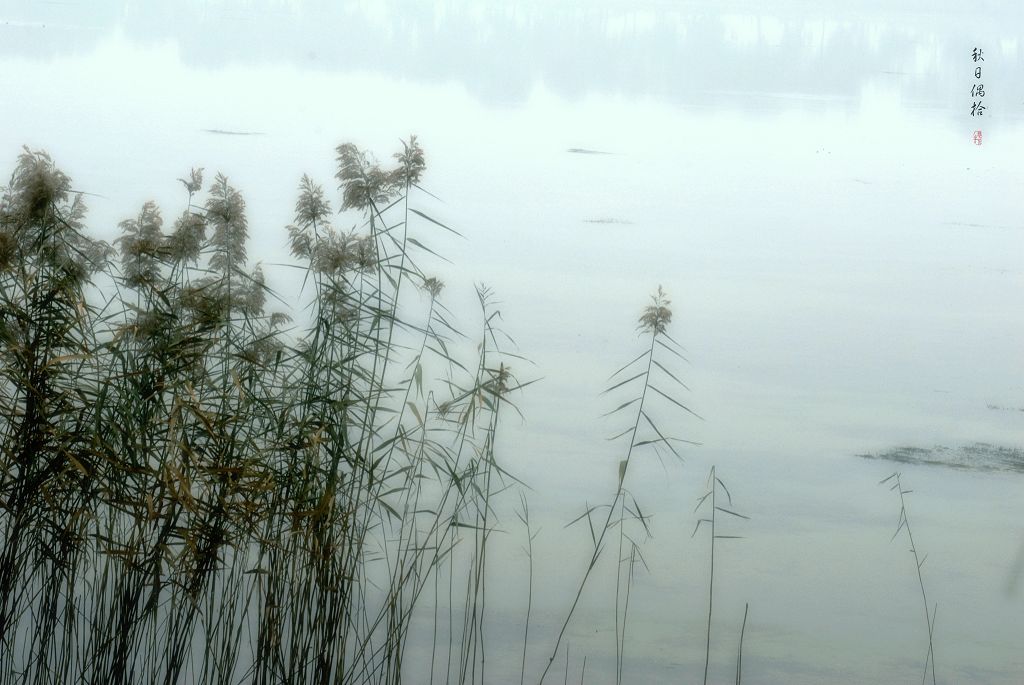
(193,489)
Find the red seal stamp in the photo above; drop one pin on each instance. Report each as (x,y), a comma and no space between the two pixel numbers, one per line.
(976,138)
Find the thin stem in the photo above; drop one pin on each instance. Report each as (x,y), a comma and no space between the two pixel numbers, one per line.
(711,580)
(739,654)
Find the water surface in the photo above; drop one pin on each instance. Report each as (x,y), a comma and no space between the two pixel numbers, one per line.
(845,268)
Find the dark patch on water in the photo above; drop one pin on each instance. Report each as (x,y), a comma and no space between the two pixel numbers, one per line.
(999,407)
(963,224)
(978,456)
(222,132)
(585,151)
(607,220)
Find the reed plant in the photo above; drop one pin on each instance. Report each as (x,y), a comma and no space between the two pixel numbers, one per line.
(642,379)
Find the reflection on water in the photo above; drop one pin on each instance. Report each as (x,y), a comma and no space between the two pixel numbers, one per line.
(801,54)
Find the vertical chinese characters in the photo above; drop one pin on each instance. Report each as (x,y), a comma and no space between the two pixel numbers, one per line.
(977,91)
(978,87)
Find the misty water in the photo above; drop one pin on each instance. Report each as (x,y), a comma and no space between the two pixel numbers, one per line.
(846,269)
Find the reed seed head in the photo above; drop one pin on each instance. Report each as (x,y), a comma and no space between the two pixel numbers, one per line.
(657,315)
